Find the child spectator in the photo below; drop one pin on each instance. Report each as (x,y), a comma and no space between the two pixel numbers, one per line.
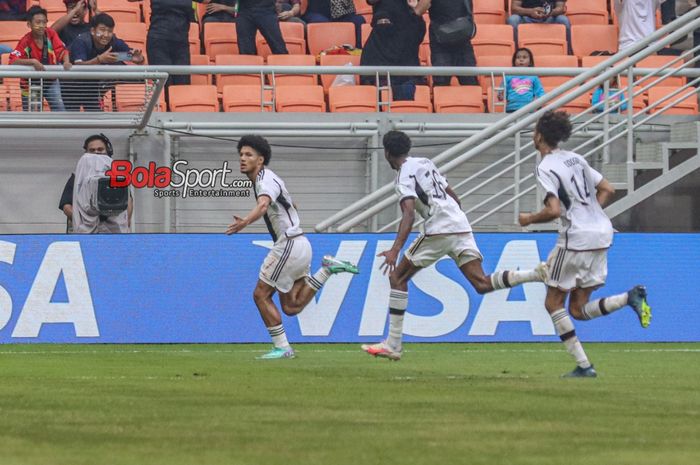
(521,90)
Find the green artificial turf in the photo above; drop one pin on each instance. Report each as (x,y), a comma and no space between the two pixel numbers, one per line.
(333,404)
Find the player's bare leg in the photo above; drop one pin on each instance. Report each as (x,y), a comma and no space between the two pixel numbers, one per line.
(262,295)
(554,303)
(582,308)
(398,302)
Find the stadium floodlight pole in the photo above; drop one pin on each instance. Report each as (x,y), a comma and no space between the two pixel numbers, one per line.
(650,44)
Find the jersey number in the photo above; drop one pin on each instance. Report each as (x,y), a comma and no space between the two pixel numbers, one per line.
(439,190)
(586,194)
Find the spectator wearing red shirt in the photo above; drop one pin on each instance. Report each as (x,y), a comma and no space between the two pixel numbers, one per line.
(41,46)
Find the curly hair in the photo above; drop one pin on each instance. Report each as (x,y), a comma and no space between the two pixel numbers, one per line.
(396,143)
(554,127)
(257,143)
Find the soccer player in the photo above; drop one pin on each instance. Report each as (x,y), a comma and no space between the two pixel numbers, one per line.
(286,267)
(421,187)
(578,264)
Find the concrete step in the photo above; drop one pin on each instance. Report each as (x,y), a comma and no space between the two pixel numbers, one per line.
(685,132)
(649,151)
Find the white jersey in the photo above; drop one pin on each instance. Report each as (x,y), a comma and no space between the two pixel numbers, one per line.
(282,219)
(584,224)
(420,179)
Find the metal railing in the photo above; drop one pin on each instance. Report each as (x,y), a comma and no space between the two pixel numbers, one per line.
(512,124)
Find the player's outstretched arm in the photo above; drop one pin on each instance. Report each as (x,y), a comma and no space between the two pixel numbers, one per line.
(254,215)
(408,216)
(550,212)
(604,192)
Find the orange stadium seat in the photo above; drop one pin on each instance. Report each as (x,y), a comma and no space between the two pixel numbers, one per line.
(200,79)
(492,62)
(555,61)
(363,9)
(322,36)
(193,38)
(421,104)
(493,39)
(489,12)
(458,99)
(587,11)
(659,61)
(146,10)
(223,80)
(191,98)
(220,39)
(54,8)
(337,60)
(588,38)
(130,98)
(543,39)
(687,106)
(308,99)
(4,98)
(11,32)
(122,11)
(352,99)
(293,60)
(365,31)
(293,35)
(424,54)
(578,104)
(245,99)
(133,34)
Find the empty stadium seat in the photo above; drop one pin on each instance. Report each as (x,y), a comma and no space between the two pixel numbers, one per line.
(588,38)
(133,34)
(309,99)
(687,106)
(352,99)
(245,99)
(131,98)
(322,36)
(657,62)
(54,8)
(293,35)
(421,104)
(193,99)
(11,32)
(578,104)
(458,99)
(492,62)
(337,60)
(122,11)
(493,40)
(363,9)
(587,11)
(293,60)
(193,38)
(543,39)
(220,39)
(200,79)
(223,80)
(555,61)
(489,12)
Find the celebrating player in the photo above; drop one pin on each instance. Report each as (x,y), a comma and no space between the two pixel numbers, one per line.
(286,267)
(578,264)
(420,186)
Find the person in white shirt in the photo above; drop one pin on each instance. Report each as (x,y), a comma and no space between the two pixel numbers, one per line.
(637,19)
(286,267)
(578,264)
(421,187)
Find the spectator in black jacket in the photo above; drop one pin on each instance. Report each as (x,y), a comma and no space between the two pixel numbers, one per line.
(457,54)
(258,15)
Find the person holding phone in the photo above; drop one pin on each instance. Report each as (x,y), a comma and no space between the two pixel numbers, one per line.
(98,47)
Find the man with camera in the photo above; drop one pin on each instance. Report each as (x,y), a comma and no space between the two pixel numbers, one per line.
(98,47)
(95,206)
(72,24)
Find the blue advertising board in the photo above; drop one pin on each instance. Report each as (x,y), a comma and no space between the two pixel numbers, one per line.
(178,288)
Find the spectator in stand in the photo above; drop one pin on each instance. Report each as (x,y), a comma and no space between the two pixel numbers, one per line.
(220,11)
(522,90)
(258,15)
(455,54)
(637,19)
(13,10)
(539,11)
(338,11)
(98,47)
(41,46)
(72,24)
(167,42)
(289,11)
(668,11)
(398,29)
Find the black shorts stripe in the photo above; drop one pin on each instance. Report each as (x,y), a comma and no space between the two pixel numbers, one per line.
(558,262)
(416,244)
(283,260)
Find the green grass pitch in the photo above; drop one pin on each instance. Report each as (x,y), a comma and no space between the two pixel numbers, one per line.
(333,404)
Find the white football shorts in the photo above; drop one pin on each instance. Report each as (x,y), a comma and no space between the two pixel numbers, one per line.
(287,261)
(568,269)
(426,250)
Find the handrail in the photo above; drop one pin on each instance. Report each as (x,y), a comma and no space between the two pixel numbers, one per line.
(514,122)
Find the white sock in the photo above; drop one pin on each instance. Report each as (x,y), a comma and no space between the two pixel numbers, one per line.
(604,306)
(279,337)
(319,278)
(510,278)
(398,301)
(567,334)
